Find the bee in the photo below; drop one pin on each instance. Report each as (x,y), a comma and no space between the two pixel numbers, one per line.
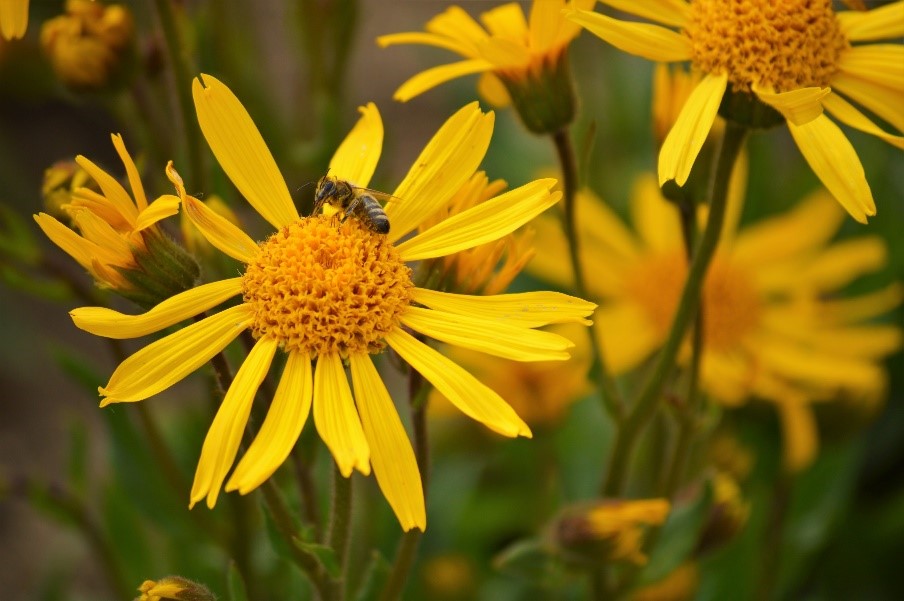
(354,200)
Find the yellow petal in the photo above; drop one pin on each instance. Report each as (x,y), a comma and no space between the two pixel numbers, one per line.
(448,160)
(841,263)
(13,18)
(356,158)
(846,113)
(506,21)
(336,419)
(856,342)
(427,39)
(797,106)
(281,428)
(455,23)
(881,23)
(835,163)
(491,89)
(429,79)
(652,42)
(165,206)
(881,63)
(626,335)
(108,323)
(395,466)
(499,339)
(485,222)
(655,219)
(668,12)
(241,151)
(472,398)
(544,23)
(862,307)
(161,364)
(686,138)
(522,309)
(220,232)
(225,434)
(869,89)
(114,247)
(131,172)
(801,439)
(72,244)
(115,195)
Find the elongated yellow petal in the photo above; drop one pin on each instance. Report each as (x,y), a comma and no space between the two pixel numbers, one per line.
(856,342)
(506,21)
(655,219)
(455,23)
(686,138)
(241,151)
(473,398)
(165,206)
(499,339)
(225,434)
(391,455)
(521,309)
(427,39)
(72,244)
(491,89)
(485,222)
(141,201)
(626,335)
(880,63)
(883,23)
(544,24)
(356,158)
(835,163)
(115,248)
(882,100)
(801,438)
(797,106)
(503,53)
(845,261)
(448,160)
(668,12)
(281,429)
(220,232)
(845,112)
(429,79)
(864,306)
(115,195)
(13,18)
(652,42)
(161,364)
(336,419)
(813,365)
(108,323)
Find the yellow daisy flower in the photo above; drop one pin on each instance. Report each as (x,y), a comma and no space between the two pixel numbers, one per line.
(119,242)
(795,56)
(336,294)
(773,328)
(521,59)
(13,18)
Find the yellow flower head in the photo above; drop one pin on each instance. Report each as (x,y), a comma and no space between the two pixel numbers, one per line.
(521,59)
(774,326)
(331,293)
(610,530)
(173,588)
(87,45)
(13,18)
(789,60)
(478,270)
(118,240)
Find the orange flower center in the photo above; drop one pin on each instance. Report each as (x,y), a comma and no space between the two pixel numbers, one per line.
(783,44)
(732,306)
(321,288)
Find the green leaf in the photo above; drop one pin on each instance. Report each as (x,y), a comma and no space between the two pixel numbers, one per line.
(375,575)
(325,555)
(677,538)
(529,559)
(235,584)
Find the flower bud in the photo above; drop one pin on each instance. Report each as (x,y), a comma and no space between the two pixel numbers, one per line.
(173,588)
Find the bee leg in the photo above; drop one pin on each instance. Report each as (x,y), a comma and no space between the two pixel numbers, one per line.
(350,209)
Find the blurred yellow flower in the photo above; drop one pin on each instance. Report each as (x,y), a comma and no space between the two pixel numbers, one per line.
(87,44)
(173,588)
(795,57)
(774,327)
(336,294)
(610,530)
(681,584)
(61,180)
(13,18)
(521,59)
(118,240)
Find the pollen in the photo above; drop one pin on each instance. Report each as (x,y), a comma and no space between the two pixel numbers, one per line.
(324,288)
(782,44)
(731,304)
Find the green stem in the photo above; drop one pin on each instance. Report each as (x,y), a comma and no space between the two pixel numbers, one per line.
(770,561)
(609,394)
(407,549)
(648,399)
(307,490)
(181,79)
(340,526)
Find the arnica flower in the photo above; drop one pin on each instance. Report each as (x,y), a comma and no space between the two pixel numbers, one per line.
(486,269)
(775,326)
(13,18)
(609,530)
(764,62)
(118,239)
(335,294)
(88,44)
(173,588)
(522,60)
